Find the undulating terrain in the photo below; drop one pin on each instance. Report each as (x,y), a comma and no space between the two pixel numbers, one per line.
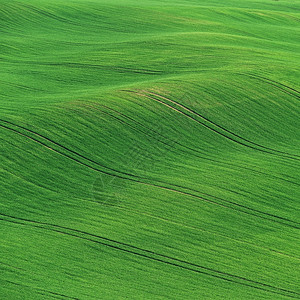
(149,149)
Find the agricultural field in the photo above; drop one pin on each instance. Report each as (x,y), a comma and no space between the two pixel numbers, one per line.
(149,149)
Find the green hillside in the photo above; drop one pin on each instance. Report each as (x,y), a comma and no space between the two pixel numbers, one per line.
(149,149)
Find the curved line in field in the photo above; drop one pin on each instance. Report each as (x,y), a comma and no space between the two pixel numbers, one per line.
(59,145)
(191,150)
(138,179)
(89,66)
(212,129)
(39,290)
(162,219)
(146,254)
(274,83)
(226,130)
(138,212)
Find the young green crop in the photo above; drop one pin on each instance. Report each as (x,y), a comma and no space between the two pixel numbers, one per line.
(149,149)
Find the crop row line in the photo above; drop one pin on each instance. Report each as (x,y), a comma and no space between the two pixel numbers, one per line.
(51,145)
(151,255)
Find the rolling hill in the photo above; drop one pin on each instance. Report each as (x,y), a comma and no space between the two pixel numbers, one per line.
(149,149)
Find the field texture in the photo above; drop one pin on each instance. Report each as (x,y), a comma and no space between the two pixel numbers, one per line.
(149,149)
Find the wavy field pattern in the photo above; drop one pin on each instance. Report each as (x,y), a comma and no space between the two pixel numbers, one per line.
(149,149)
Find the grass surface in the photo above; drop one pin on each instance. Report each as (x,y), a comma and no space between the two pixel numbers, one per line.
(149,149)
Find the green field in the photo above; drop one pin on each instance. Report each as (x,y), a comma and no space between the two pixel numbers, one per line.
(149,149)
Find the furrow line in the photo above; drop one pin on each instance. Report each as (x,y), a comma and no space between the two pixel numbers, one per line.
(171,187)
(147,254)
(193,151)
(224,129)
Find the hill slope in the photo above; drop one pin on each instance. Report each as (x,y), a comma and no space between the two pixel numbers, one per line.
(149,150)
